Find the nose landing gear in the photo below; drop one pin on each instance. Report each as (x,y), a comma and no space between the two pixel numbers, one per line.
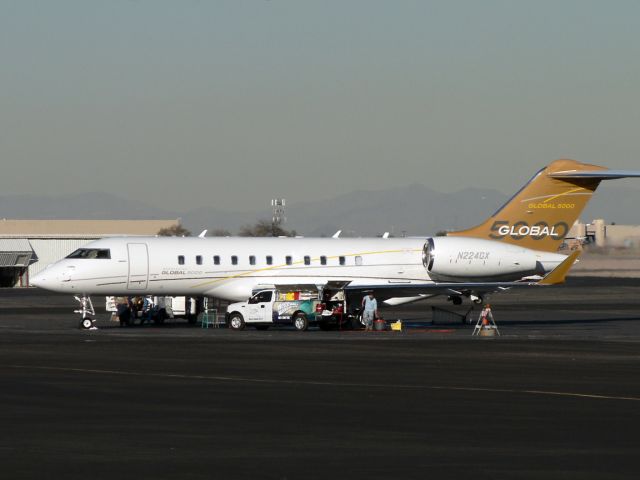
(87,312)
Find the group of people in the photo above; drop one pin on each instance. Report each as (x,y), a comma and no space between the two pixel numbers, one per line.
(127,309)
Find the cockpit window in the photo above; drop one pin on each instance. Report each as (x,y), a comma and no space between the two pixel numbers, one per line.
(99,253)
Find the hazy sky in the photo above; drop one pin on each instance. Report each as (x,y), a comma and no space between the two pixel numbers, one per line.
(230,103)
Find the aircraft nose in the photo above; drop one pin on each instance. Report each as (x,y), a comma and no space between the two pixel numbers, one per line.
(40,280)
(44,279)
(49,278)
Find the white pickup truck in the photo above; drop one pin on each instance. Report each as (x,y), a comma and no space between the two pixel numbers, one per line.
(299,306)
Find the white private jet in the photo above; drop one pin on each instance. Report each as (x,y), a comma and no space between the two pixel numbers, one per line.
(517,246)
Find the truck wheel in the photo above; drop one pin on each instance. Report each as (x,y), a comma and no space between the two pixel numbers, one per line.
(236,322)
(86,323)
(300,322)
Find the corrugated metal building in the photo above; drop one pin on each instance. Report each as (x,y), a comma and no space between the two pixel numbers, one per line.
(16,254)
(28,246)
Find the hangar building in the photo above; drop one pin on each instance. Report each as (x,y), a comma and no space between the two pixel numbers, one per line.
(28,246)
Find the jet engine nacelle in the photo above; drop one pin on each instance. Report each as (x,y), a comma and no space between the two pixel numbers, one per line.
(451,259)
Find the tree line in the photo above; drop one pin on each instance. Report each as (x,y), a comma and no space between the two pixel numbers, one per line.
(262,228)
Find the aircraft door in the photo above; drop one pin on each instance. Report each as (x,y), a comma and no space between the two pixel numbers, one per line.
(138,266)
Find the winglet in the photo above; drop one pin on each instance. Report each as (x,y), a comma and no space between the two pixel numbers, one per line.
(558,274)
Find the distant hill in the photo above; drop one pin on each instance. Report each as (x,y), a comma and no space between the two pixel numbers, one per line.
(97,205)
(413,209)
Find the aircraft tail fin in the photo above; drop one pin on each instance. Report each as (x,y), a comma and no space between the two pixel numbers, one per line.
(540,215)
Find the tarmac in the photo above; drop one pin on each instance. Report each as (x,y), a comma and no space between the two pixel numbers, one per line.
(557,395)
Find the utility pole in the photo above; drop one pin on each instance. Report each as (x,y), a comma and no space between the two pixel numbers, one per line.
(278,205)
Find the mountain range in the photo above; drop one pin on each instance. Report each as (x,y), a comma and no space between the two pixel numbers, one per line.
(412,210)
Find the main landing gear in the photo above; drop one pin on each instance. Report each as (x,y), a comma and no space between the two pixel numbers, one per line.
(86,311)
(457,299)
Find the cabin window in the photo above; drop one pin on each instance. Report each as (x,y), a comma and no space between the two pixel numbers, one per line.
(180,259)
(234,260)
(216,259)
(307,260)
(252,259)
(343,261)
(269,260)
(198,259)
(358,260)
(288,260)
(323,260)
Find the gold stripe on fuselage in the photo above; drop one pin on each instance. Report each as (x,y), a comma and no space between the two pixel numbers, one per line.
(299,262)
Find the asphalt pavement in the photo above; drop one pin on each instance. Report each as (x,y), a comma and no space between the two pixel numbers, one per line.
(556,396)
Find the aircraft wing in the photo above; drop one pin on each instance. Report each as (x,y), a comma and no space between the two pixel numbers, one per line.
(432,289)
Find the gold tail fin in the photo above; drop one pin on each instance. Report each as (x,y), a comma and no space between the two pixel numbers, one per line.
(541,214)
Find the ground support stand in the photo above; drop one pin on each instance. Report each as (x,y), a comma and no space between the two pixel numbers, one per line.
(486,325)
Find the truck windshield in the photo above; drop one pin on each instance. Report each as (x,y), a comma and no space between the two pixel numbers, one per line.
(100,253)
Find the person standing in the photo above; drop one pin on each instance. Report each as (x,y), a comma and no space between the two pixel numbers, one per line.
(369,311)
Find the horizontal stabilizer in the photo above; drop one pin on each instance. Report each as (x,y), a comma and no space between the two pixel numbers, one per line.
(596,174)
(559,274)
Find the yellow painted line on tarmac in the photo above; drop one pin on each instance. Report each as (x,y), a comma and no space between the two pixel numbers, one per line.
(219,378)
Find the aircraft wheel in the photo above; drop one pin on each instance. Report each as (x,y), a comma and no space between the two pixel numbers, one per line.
(300,322)
(456,300)
(86,323)
(236,322)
